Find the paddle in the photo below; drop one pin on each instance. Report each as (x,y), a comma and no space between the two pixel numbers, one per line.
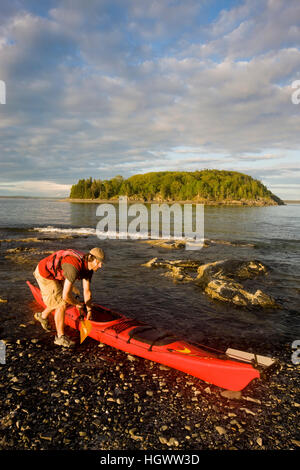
(243,356)
(250,357)
(85,327)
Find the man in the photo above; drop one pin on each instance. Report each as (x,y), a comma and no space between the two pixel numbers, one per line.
(55,276)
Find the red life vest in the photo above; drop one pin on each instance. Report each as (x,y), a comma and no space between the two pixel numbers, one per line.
(51,267)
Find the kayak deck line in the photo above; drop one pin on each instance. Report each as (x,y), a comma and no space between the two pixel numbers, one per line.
(229,354)
(158,345)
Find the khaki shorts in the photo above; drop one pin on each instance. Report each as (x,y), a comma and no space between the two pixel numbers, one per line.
(51,290)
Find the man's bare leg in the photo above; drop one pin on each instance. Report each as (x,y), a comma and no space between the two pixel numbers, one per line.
(46,312)
(59,318)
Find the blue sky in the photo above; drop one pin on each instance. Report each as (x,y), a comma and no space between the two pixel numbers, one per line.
(110,87)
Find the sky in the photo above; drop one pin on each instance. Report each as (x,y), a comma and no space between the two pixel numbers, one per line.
(101,88)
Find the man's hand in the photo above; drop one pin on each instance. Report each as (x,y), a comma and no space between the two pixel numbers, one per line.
(89,313)
(67,295)
(87,295)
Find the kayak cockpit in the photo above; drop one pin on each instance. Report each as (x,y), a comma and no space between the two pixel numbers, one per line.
(102,315)
(152,336)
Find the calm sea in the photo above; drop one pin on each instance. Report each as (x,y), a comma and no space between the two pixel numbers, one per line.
(269,234)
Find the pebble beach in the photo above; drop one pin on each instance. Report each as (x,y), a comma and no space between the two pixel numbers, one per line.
(97,398)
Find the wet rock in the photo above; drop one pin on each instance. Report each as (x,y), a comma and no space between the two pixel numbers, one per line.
(135,436)
(231,269)
(231,395)
(19,249)
(295,442)
(180,244)
(181,270)
(233,292)
(131,358)
(220,430)
(23,255)
(48,436)
(250,412)
(159,263)
(169,244)
(254,400)
(162,367)
(172,441)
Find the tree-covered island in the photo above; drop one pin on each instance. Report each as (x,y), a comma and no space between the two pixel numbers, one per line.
(204,186)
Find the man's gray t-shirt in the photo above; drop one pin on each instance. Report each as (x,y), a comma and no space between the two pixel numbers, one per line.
(71,273)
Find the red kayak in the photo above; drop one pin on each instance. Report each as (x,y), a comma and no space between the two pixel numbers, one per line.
(137,338)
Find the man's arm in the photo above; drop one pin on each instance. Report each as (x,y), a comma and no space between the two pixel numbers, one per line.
(87,295)
(67,294)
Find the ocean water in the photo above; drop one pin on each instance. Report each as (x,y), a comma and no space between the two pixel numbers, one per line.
(29,228)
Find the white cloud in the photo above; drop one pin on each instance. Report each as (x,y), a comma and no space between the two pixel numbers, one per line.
(286,191)
(255,27)
(108,86)
(35,188)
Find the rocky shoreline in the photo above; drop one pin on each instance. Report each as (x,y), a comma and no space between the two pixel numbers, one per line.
(98,398)
(261,202)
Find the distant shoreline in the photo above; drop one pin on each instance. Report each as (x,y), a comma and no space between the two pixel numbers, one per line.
(30,197)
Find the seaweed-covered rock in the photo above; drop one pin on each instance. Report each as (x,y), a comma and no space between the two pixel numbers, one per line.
(230,291)
(218,280)
(221,280)
(231,269)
